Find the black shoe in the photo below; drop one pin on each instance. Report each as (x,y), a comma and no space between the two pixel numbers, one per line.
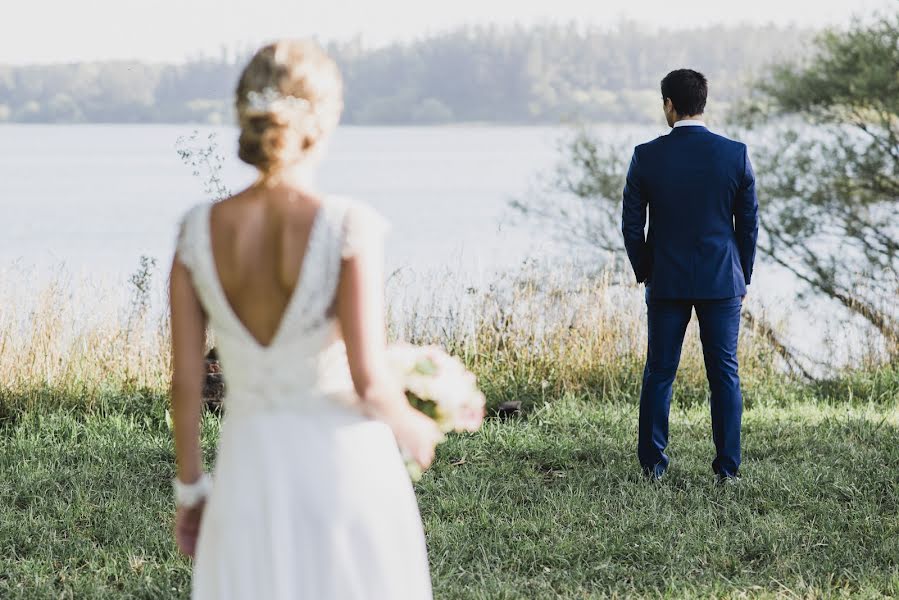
(727,480)
(654,474)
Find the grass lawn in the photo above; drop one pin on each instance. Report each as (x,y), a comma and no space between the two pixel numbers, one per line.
(544,507)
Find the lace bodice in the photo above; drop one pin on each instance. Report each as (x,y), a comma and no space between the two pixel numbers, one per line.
(304,366)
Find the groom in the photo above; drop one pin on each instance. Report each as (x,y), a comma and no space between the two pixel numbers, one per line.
(698,254)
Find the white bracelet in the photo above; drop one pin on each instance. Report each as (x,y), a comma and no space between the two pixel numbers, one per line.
(188,495)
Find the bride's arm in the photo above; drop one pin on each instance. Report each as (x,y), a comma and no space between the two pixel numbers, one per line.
(188,371)
(360,311)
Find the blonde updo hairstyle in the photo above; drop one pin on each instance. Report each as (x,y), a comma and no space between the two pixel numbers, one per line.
(289,98)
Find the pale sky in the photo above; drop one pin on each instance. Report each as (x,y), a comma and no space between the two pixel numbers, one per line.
(39,31)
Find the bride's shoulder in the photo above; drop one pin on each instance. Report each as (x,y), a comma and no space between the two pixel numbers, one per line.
(358,223)
(189,233)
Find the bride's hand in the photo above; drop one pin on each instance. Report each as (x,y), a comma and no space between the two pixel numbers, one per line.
(187,527)
(417,435)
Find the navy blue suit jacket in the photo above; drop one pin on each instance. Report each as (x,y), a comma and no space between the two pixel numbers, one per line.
(703,215)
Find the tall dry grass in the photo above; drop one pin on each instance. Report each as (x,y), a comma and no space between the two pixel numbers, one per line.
(74,340)
(529,336)
(536,334)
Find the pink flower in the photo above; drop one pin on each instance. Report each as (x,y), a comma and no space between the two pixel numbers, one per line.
(470,418)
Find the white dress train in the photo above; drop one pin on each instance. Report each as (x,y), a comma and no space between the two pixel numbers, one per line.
(311,499)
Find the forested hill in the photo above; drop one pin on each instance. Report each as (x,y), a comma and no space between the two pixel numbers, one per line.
(545,74)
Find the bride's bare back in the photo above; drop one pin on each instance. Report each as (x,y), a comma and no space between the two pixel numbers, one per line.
(259,240)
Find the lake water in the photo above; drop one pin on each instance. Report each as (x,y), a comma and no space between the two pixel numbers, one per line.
(95,198)
(99,197)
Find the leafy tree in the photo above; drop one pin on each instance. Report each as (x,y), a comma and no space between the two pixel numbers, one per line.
(580,203)
(830,178)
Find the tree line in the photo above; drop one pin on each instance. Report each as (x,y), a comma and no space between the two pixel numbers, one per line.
(543,74)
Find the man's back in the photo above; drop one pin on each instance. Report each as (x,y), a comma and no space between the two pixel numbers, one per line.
(700,191)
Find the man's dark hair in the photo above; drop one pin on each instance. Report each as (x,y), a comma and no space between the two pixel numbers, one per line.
(687,89)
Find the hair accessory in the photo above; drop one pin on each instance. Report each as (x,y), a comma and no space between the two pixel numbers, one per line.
(270,100)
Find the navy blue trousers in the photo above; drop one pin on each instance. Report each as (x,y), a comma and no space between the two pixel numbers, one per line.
(719,327)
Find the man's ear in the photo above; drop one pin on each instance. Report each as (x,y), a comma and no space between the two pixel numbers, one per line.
(668,104)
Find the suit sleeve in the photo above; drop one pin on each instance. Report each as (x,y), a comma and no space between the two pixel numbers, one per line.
(633,220)
(746,218)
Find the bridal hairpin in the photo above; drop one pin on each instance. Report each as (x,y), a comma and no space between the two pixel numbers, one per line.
(270,100)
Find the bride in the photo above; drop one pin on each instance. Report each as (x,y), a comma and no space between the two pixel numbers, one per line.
(311,497)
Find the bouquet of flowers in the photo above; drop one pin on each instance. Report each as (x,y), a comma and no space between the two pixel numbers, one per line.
(440,386)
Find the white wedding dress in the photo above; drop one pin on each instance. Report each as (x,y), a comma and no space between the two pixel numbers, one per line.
(310,499)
